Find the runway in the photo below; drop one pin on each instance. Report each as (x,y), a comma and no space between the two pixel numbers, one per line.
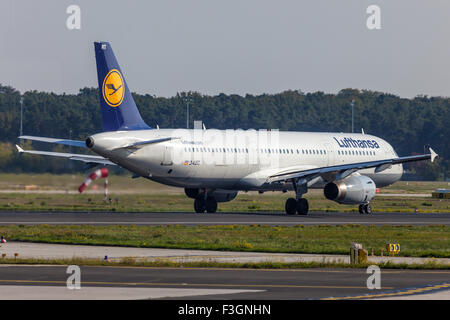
(222,218)
(209,283)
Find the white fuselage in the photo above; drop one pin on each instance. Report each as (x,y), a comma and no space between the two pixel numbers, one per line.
(241,160)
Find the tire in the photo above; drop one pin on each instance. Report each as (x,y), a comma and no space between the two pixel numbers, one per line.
(367,209)
(211,205)
(199,204)
(361,209)
(302,206)
(290,206)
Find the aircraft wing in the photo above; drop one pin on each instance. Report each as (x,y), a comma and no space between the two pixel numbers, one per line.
(71,156)
(342,171)
(74,143)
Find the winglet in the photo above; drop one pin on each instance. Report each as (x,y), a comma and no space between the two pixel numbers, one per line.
(433,155)
(19,149)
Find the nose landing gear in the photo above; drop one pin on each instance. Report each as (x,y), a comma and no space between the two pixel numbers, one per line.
(365,208)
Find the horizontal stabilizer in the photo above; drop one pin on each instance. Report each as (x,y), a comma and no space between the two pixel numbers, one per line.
(73,143)
(433,155)
(71,156)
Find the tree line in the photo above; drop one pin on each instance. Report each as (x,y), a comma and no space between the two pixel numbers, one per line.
(408,124)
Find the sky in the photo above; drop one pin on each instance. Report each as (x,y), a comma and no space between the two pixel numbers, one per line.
(230,46)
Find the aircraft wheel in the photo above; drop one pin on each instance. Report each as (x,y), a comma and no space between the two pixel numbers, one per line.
(302,206)
(199,204)
(367,209)
(211,205)
(290,206)
(361,209)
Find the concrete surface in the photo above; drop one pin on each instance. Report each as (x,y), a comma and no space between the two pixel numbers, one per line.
(61,251)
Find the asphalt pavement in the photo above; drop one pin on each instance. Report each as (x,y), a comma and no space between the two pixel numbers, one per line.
(213,283)
(223,218)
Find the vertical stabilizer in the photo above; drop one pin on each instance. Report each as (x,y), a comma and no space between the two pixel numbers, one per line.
(119,111)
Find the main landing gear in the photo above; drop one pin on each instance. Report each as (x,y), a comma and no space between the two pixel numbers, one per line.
(298,205)
(365,208)
(203,203)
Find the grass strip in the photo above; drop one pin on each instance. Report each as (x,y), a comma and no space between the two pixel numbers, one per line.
(132,262)
(415,241)
(271,202)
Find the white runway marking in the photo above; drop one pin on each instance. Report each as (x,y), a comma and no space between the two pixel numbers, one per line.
(104,293)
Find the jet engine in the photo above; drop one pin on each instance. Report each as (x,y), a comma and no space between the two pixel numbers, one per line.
(219,195)
(355,189)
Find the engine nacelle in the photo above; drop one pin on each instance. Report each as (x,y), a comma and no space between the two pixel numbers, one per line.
(219,195)
(224,195)
(351,190)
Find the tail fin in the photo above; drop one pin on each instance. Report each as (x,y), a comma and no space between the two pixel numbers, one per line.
(119,111)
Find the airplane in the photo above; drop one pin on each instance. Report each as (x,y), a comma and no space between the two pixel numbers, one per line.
(214,165)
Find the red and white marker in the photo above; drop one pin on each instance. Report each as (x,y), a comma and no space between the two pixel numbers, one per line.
(100,173)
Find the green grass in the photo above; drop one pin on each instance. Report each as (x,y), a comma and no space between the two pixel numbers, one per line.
(142,195)
(416,187)
(175,202)
(415,241)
